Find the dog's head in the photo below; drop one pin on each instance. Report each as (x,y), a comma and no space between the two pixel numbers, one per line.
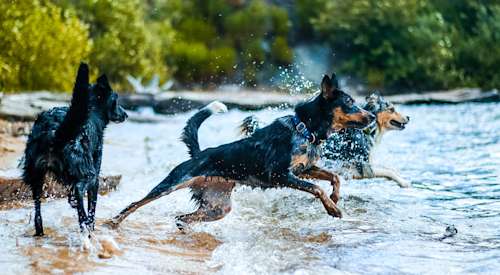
(387,116)
(344,113)
(107,100)
(332,110)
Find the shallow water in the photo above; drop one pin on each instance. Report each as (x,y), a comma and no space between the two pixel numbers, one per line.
(450,153)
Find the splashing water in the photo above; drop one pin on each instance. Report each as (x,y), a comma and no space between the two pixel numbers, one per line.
(291,80)
(450,153)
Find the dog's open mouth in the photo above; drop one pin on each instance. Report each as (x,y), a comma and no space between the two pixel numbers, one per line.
(397,124)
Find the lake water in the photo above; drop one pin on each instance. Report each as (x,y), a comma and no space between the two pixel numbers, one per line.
(451,154)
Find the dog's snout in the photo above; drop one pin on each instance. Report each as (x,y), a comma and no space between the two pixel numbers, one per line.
(407,118)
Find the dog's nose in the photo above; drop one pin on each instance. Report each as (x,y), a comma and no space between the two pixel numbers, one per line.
(407,118)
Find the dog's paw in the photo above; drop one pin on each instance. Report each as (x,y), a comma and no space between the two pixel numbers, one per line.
(86,243)
(217,107)
(404,184)
(334,212)
(112,223)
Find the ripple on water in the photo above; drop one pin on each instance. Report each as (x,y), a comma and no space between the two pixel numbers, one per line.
(450,153)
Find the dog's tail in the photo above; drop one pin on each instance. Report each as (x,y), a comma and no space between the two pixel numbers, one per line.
(190,132)
(78,111)
(249,125)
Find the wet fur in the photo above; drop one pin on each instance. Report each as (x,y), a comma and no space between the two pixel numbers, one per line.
(66,143)
(353,147)
(273,157)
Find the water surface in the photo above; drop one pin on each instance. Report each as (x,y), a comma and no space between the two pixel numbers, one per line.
(450,153)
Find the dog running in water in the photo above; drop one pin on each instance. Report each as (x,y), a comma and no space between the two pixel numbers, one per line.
(349,150)
(276,156)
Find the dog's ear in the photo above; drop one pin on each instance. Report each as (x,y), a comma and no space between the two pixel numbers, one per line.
(330,87)
(82,78)
(373,98)
(335,82)
(103,81)
(373,102)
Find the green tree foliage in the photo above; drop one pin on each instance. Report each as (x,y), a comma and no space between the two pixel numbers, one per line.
(40,47)
(474,28)
(410,44)
(222,36)
(123,43)
(389,42)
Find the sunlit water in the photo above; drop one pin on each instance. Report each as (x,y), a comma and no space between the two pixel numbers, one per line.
(450,153)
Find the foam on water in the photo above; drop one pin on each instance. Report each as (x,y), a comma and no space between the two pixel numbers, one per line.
(450,153)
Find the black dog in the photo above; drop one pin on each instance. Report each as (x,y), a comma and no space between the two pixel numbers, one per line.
(349,151)
(273,157)
(67,144)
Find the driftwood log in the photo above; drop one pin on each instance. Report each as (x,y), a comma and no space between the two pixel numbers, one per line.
(13,191)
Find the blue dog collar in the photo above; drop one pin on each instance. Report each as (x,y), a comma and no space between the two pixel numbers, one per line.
(302,129)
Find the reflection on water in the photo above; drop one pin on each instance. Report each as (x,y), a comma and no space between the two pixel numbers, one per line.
(450,153)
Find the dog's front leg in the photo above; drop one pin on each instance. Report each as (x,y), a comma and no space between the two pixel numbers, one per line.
(390,174)
(321,174)
(82,216)
(92,202)
(291,181)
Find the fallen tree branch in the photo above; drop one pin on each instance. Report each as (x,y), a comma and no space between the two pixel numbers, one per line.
(13,191)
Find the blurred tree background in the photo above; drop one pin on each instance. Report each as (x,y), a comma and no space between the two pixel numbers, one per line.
(403,45)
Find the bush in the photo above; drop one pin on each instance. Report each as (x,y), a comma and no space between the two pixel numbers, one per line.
(196,63)
(249,23)
(122,43)
(475,36)
(391,43)
(194,29)
(281,53)
(40,47)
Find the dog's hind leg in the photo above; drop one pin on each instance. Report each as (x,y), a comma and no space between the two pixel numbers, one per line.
(213,194)
(35,179)
(321,174)
(37,189)
(162,189)
(79,193)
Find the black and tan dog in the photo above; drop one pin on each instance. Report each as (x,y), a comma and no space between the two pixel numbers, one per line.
(66,143)
(274,156)
(349,150)
(352,148)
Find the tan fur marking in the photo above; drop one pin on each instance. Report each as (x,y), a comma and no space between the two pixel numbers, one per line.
(215,183)
(384,118)
(320,174)
(341,119)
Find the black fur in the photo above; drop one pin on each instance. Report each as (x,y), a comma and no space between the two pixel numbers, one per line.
(352,147)
(190,133)
(67,143)
(262,160)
